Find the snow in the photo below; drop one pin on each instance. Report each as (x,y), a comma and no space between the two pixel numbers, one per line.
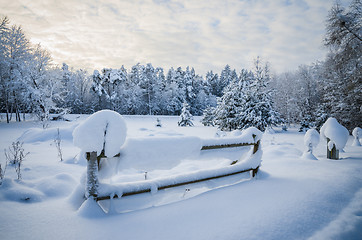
(311,138)
(290,198)
(237,136)
(357,134)
(104,130)
(311,141)
(337,134)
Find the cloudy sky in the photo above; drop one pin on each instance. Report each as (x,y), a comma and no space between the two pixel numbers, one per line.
(206,35)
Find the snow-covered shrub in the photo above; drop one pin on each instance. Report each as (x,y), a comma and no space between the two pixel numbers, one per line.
(311,140)
(185,117)
(15,156)
(357,133)
(104,131)
(336,133)
(2,173)
(57,142)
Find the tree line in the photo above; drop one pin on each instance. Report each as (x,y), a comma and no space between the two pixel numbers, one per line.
(30,83)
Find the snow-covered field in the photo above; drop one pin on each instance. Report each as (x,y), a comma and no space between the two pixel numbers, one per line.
(291,197)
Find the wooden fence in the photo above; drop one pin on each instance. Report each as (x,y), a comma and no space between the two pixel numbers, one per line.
(93,163)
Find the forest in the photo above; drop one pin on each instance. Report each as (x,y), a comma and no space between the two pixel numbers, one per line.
(331,87)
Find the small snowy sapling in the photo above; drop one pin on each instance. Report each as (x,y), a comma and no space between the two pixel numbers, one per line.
(311,140)
(357,133)
(15,156)
(185,117)
(158,124)
(57,141)
(2,173)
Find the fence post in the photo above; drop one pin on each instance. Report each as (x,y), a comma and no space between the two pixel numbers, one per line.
(256,144)
(92,175)
(333,153)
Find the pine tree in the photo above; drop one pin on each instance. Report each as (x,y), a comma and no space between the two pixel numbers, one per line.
(185,117)
(208,117)
(343,67)
(247,102)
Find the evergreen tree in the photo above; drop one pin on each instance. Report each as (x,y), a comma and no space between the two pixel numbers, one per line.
(343,67)
(208,116)
(230,109)
(185,117)
(247,102)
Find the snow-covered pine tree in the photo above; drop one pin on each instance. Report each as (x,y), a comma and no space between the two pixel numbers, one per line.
(229,112)
(208,116)
(343,66)
(259,111)
(247,102)
(185,117)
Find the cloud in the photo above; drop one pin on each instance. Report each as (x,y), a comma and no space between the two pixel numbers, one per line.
(204,34)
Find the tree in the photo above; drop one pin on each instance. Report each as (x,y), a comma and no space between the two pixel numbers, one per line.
(247,102)
(15,53)
(42,85)
(185,117)
(230,109)
(343,67)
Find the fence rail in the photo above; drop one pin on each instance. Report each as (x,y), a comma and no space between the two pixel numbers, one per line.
(93,181)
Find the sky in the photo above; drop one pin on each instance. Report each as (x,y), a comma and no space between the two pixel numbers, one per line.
(206,35)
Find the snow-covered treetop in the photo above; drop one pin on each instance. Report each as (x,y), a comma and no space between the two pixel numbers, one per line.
(104,130)
(311,138)
(335,132)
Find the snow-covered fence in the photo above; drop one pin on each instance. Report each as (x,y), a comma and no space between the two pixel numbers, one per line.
(103,134)
(251,163)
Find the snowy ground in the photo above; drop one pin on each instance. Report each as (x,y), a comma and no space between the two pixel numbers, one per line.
(291,198)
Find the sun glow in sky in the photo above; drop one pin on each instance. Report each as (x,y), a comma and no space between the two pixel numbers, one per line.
(206,35)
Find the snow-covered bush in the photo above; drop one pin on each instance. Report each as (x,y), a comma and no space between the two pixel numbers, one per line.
(104,131)
(311,140)
(357,133)
(185,117)
(15,156)
(336,133)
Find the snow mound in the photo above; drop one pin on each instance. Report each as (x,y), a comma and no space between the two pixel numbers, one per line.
(158,152)
(311,141)
(60,185)
(56,186)
(104,130)
(14,190)
(337,134)
(311,138)
(90,209)
(42,135)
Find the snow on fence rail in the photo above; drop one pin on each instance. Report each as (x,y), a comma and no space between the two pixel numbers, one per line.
(250,164)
